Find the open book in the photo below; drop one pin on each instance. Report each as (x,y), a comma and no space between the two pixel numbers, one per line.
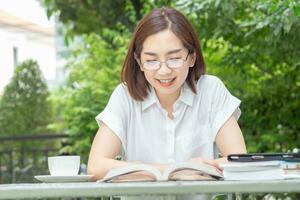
(181,171)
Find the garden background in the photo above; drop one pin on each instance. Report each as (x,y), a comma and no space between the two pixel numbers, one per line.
(252,45)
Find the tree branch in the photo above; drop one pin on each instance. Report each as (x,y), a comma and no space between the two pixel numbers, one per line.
(137,5)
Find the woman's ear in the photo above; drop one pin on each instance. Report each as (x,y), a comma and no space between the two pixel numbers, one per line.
(192,59)
(138,61)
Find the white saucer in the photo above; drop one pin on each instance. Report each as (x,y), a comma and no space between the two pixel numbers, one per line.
(63,179)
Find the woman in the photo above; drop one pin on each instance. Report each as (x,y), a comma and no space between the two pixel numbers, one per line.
(166,109)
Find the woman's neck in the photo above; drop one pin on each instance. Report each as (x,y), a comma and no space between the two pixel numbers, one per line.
(167,101)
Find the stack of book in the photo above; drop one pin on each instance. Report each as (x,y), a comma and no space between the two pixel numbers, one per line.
(262,166)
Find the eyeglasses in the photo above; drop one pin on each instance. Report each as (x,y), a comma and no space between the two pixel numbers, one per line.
(172,63)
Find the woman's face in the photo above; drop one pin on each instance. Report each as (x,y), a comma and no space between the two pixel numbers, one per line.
(163,46)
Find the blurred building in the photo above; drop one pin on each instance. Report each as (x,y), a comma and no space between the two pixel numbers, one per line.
(21,39)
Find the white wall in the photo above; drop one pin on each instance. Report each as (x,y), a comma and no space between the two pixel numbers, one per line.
(31,45)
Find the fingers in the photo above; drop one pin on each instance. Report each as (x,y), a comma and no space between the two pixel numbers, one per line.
(213,163)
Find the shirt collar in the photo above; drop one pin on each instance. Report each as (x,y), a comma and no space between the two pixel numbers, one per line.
(186,96)
(150,99)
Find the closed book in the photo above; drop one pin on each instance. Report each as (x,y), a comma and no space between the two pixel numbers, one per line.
(260,170)
(264,174)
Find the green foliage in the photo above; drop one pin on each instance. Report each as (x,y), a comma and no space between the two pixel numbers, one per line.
(254,46)
(89,16)
(85,17)
(24,107)
(94,72)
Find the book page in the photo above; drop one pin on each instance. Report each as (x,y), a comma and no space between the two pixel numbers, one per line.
(130,173)
(139,176)
(190,175)
(203,171)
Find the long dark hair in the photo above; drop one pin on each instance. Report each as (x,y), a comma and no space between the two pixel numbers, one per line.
(158,20)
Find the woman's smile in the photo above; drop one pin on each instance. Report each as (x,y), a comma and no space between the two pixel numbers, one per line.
(166,82)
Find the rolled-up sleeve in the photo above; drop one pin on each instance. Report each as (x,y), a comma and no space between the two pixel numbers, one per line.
(115,114)
(224,105)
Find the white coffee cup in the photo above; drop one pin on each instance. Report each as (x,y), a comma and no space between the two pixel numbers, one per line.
(64,165)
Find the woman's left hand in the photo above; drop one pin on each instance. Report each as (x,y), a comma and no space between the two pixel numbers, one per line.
(215,163)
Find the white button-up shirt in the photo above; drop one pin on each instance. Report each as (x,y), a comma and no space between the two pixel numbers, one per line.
(147,133)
